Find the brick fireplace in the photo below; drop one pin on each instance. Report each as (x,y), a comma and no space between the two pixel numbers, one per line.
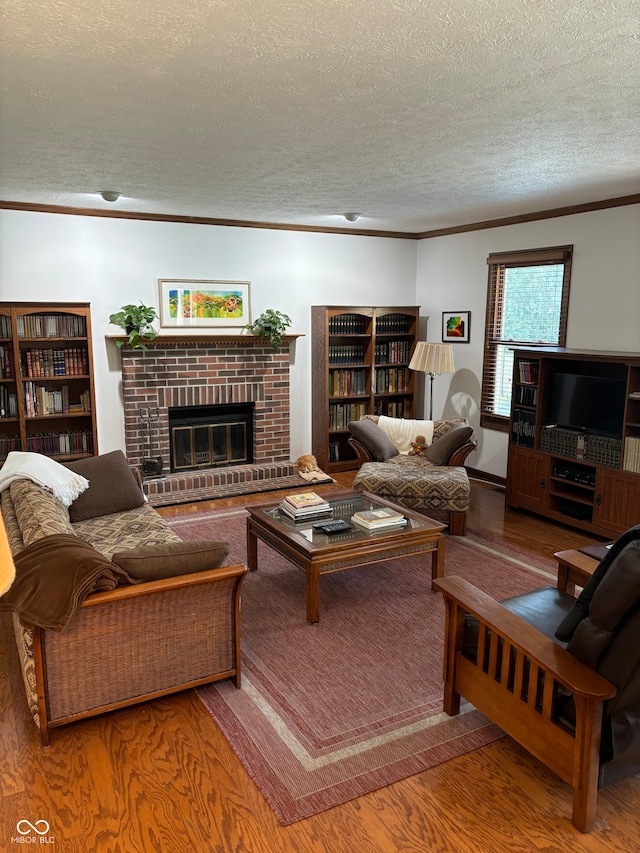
(208,371)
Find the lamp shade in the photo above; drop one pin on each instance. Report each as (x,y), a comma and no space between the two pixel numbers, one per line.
(432,358)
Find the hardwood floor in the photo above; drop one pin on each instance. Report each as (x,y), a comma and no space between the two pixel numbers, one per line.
(161,777)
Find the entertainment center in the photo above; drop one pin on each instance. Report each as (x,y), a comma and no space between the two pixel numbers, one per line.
(574,449)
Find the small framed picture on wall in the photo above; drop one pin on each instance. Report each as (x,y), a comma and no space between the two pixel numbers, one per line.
(456,326)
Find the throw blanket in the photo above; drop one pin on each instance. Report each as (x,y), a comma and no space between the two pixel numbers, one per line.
(54,575)
(402,431)
(46,472)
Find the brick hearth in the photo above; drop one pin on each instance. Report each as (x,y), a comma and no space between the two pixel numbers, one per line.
(189,371)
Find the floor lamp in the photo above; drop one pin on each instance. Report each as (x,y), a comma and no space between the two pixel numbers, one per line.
(432,358)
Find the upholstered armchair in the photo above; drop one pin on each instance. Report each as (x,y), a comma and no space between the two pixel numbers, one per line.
(560,675)
(435,483)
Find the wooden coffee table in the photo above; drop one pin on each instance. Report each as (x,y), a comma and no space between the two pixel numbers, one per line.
(318,554)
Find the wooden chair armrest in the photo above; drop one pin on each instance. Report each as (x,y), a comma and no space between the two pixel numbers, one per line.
(360,450)
(458,456)
(576,676)
(179,581)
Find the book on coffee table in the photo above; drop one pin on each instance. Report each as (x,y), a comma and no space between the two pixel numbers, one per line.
(376,519)
(305,507)
(304,500)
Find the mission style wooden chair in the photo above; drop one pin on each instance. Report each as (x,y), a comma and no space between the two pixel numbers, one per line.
(560,675)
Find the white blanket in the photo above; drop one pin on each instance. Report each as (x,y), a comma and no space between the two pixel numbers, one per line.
(402,431)
(63,483)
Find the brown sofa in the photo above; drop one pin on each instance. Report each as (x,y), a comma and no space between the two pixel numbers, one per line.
(162,617)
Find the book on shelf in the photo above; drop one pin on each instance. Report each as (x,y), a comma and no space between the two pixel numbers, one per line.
(376,519)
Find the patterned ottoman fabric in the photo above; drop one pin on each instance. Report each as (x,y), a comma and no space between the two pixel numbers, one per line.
(415,484)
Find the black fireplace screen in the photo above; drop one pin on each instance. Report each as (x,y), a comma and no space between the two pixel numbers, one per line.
(210,436)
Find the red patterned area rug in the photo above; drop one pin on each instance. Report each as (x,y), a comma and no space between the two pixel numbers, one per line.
(331,711)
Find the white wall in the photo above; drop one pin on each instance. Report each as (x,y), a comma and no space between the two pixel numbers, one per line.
(111,262)
(604,305)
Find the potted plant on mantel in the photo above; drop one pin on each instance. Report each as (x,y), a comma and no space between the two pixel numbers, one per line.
(137,321)
(270,325)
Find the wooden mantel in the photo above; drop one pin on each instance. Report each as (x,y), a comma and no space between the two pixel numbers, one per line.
(204,339)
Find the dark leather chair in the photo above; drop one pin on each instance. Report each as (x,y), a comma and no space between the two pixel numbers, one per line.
(560,675)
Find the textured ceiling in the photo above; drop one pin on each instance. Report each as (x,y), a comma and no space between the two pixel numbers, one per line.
(419,114)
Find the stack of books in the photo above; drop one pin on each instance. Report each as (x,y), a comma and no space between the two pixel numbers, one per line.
(308,506)
(378,519)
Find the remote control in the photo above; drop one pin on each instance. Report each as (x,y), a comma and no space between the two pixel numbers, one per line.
(329,527)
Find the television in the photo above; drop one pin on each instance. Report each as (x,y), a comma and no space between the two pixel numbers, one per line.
(591,404)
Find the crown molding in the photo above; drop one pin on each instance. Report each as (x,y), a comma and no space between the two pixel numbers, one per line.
(521,218)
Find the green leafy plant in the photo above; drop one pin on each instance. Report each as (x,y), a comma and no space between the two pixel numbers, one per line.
(271,325)
(137,321)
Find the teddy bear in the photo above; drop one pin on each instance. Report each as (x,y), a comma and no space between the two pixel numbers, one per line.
(418,446)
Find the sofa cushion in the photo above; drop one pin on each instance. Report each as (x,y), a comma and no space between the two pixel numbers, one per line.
(153,562)
(112,486)
(439,452)
(38,512)
(121,531)
(374,439)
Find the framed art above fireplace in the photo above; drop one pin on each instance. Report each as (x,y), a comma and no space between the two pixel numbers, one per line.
(201,304)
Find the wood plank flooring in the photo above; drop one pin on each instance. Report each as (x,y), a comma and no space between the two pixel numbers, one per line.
(161,777)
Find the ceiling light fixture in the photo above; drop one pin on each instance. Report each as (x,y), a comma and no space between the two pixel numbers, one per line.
(110,195)
(351,217)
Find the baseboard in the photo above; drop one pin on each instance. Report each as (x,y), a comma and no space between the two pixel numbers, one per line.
(475,474)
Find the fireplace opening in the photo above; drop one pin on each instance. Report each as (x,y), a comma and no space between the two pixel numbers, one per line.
(211,436)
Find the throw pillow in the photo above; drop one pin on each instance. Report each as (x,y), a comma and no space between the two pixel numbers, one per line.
(152,562)
(112,486)
(374,439)
(440,451)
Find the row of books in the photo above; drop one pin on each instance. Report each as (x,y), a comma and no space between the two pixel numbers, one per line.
(393,352)
(308,506)
(51,326)
(526,395)
(40,400)
(334,451)
(8,443)
(8,403)
(41,363)
(528,371)
(346,354)
(344,382)
(7,367)
(631,459)
(392,324)
(5,326)
(523,428)
(391,380)
(393,408)
(341,413)
(348,324)
(61,443)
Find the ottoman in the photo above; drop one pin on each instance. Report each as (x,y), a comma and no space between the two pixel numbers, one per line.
(441,492)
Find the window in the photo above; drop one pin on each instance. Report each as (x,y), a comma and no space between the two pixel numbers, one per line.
(527,304)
